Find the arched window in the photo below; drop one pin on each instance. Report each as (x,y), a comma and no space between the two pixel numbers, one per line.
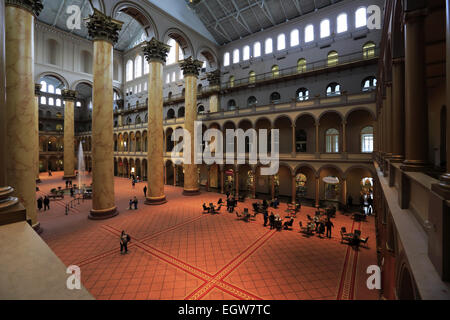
(325,28)
(146,67)
(302,94)
(332,141)
(275,97)
(301,65)
(231,105)
(236,56)
(175,53)
(78,104)
(257,49)
(246,53)
(58,102)
(43,86)
(275,71)
(252,77)
(268,46)
(333,89)
(58,91)
(309,33)
(181,75)
(43,100)
(174,76)
(252,101)
(181,112)
(361,17)
(333,58)
(226,59)
(369,84)
(129,70)
(138,120)
(367,140)
(369,50)
(342,24)
(281,42)
(138,67)
(201,109)
(51,88)
(295,38)
(170,114)
(231,82)
(51,102)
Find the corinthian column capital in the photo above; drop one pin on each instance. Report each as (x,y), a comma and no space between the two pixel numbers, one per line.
(191,67)
(214,78)
(34,6)
(155,50)
(37,89)
(69,95)
(102,27)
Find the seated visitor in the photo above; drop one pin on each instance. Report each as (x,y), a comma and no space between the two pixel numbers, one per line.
(205,208)
(288,224)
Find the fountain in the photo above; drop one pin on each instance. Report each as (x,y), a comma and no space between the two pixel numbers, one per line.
(81,169)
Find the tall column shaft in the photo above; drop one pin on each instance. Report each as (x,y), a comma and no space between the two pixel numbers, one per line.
(155,156)
(317,191)
(344,136)
(294,149)
(20,108)
(37,90)
(294,190)
(388,107)
(416,111)
(69,137)
(398,110)
(103,205)
(317,138)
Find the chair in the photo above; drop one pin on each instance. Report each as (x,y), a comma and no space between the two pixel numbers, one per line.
(288,225)
(345,236)
(364,241)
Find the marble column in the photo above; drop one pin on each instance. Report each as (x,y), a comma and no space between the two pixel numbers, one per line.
(317,191)
(317,124)
(294,190)
(9,204)
(214,85)
(344,136)
(37,94)
(388,113)
(272,187)
(20,102)
(344,191)
(174,175)
(69,97)
(222,173)
(294,149)
(236,181)
(155,53)
(254,171)
(104,32)
(191,69)
(416,110)
(398,110)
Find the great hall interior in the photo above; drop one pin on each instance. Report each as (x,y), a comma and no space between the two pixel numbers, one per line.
(93,93)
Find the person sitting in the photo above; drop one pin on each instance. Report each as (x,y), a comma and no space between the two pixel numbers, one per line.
(288,224)
(220,201)
(212,208)
(205,208)
(255,207)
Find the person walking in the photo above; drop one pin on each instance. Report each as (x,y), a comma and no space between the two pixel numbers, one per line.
(329,225)
(133,183)
(135,201)
(145,191)
(124,239)
(266,217)
(67,184)
(71,191)
(39,203)
(46,203)
(131,205)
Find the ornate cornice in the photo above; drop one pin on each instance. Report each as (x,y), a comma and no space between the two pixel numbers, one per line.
(37,89)
(191,67)
(214,78)
(155,50)
(102,27)
(69,95)
(34,6)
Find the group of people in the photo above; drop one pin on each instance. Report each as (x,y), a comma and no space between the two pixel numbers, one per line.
(365,203)
(43,201)
(133,203)
(68,184)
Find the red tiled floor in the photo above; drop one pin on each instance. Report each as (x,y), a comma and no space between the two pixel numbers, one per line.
(176,252)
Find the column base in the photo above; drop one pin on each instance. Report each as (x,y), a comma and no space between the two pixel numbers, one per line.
(37,227)
(191,193)
(397,158)
(103,214)
(156,201)
(71,177)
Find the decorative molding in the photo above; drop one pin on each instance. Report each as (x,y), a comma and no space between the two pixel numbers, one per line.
(33,6)
(69,95)
(155,50)
(102,27)
(191,67)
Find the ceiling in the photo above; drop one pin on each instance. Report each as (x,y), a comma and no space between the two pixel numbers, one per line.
(54,14)
(234,19)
